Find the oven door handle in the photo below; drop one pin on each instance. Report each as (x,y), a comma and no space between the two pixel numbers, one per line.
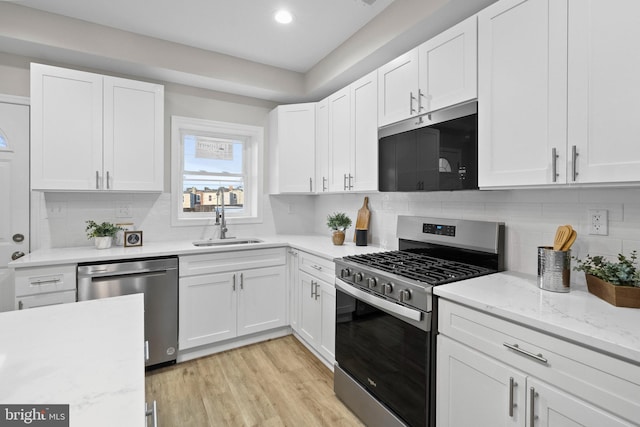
(380,303)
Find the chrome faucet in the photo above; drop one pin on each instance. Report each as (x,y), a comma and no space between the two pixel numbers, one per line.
(220,220)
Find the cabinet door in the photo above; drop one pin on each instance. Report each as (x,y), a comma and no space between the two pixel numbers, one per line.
(327,293)
(262,299)
(476,390)
(133,135)
(339,140)
(66,129)
(555,408)
(522,54)
(43,300)
(364,129)
(207,309)
(293,142)
(398,89)
(322,146)
(604,90)
(310,309)
(448,65)
(294,289)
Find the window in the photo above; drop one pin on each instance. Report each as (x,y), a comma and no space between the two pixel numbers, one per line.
(215,163)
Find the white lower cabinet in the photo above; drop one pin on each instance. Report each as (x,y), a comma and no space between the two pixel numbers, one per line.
(316,303)
(491,372)
(46,285)
(231,294)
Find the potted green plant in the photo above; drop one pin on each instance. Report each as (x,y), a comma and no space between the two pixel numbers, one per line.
(102,234)
(338,222)
(618,283)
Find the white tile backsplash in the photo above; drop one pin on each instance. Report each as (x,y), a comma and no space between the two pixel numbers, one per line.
(531,217)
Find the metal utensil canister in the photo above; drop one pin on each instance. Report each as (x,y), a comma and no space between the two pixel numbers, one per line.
(554,269)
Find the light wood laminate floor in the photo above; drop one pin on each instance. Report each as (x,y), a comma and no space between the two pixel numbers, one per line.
(274,383)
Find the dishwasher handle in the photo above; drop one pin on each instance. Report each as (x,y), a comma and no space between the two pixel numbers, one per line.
(127,268)
(108,273)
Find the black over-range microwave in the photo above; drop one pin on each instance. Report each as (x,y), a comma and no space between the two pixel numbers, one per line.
(437,151)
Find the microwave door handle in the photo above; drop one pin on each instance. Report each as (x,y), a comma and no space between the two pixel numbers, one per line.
(379,302)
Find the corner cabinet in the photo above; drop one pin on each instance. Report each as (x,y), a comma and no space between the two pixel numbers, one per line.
(231,294)
(91,132)
(292,148)
(439,73)
(502,373)
(558,93)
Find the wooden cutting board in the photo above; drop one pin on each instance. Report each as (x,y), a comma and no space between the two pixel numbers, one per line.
(362,221)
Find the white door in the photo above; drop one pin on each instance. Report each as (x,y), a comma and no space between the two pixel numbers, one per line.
(398,89)
(262,299)
(339,140)
(364,129)
(14,192)
(310,315)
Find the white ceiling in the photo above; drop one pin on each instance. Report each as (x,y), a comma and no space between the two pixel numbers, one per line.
(240,28)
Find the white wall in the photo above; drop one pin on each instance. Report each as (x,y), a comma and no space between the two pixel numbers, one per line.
(531,217)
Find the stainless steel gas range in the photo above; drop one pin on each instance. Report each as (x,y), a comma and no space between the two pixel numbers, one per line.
(386,315)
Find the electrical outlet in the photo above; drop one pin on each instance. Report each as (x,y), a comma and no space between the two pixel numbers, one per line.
(123,210)
(598,222)
(56,210)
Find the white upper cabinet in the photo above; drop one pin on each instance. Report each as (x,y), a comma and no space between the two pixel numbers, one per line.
(322,146)
(558,93)
(353,136)
(292,148)
(521,95)
(437,74)
(448,65)
(92,133)
(604,90)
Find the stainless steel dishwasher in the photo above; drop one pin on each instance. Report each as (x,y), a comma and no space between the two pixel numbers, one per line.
(157,279)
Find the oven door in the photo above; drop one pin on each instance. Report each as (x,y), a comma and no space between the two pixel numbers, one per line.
(385,352)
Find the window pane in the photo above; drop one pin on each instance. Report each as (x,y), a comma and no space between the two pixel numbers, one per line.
(211,163)
(3,140)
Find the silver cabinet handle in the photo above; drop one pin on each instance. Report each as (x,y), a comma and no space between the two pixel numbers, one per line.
(532,401)
(97,180)
(317,267)
(515,347)
(146,350)
(350,184)
(512,384)
(241,280)
(43,282)
(554,165)
(310,184)
(234,282)
(324,186)
(312,288)
(107,180)
(153,412)
(411,109)
(20,305)
(344,182)
(420,96)
(574,159)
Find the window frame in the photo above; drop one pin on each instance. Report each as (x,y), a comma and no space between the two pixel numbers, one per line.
(253,137)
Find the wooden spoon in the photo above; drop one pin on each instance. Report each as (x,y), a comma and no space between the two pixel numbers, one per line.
(572,238)
(562,235)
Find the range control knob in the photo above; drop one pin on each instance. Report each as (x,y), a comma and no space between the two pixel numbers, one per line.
(372,282)
(387,288)
(358,277)
(345,272)
(405,295)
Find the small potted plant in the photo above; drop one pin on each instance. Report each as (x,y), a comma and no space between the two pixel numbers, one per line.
(618,283)
(103,234)
(338,222)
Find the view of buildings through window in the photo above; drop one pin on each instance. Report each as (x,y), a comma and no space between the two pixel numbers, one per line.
(213,173)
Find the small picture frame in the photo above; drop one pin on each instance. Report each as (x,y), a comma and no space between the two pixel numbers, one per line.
(132,238)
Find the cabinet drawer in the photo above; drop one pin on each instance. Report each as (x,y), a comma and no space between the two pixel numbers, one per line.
(39,280)
(598,378)
(316,266)
(53,298)
(193,265)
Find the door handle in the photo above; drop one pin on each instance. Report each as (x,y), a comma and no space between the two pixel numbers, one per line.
(18,238)
(16,255)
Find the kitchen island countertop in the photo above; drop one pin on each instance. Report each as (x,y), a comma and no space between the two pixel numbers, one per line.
(89,355)
(577,316)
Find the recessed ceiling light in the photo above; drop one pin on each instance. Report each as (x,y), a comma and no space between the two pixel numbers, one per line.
(283,17)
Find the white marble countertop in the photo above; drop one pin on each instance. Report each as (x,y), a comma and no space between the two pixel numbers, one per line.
(320,245)
(577,315)
(89,355)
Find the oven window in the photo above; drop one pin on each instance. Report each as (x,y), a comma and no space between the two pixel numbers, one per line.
(385,355)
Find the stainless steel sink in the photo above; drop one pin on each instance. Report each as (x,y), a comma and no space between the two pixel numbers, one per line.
(226,242)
